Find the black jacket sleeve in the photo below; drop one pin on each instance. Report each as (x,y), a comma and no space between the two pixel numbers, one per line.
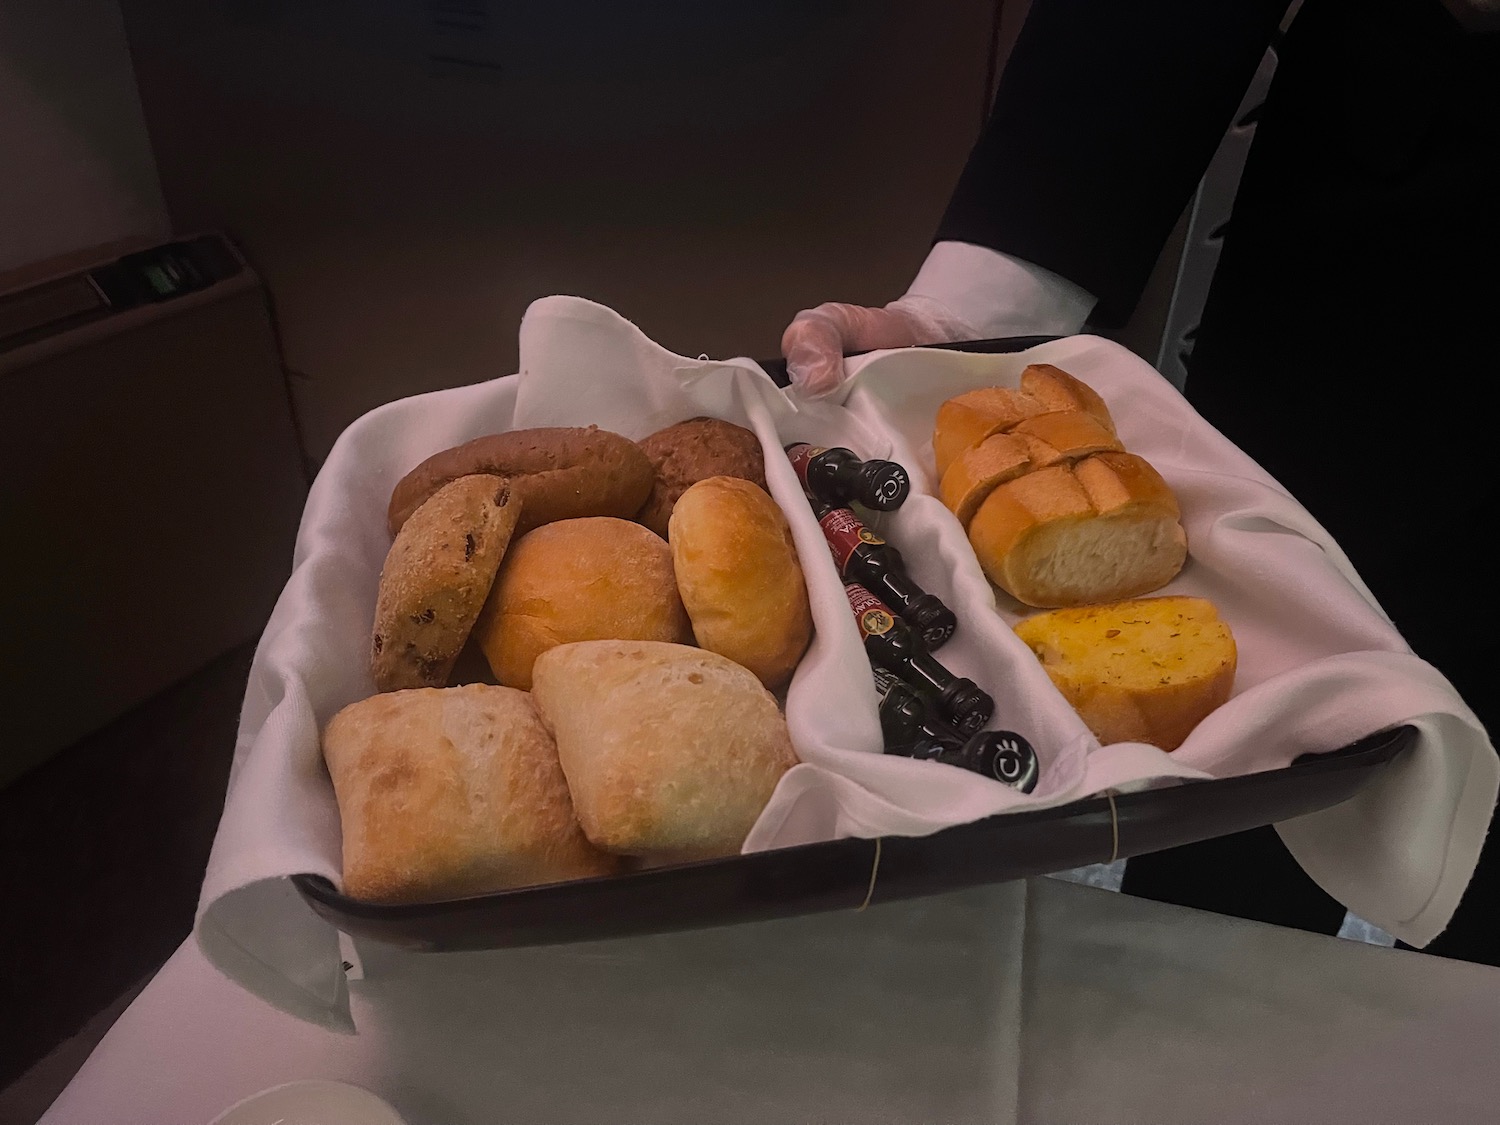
(1107,114)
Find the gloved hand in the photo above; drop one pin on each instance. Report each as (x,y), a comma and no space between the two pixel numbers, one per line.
(963,292)
(815,341)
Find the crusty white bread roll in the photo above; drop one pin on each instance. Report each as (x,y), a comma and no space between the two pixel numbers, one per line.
(976,472)
(1147,670)
(448,792)
(1104,529)
(739,577)
(670,751)
(588,579)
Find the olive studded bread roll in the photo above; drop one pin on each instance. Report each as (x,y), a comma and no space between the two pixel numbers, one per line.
(436,577)
(450,792)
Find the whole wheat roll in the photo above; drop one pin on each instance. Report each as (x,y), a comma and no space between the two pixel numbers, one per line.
(556,473)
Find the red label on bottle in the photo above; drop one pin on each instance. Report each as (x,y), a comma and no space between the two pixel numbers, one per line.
(872,615)
(845,533)
(801,456)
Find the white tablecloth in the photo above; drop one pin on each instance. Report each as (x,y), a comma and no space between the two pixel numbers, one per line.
(1039,1001)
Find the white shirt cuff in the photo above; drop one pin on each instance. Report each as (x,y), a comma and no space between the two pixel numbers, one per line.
(999,295)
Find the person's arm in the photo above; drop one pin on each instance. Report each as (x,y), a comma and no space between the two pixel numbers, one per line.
(1106,116)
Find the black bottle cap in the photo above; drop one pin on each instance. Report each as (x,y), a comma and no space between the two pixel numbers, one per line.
(969,707)
(1005,756)
(883,486)
(932,619)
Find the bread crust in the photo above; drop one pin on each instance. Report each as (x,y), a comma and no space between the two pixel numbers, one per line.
(977,471)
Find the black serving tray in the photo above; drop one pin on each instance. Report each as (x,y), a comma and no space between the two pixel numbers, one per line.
(837,875)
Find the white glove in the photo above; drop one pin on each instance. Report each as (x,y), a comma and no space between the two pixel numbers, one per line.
(962,292)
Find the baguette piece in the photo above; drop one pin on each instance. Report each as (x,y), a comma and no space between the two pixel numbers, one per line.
(451,792)
(1058,390)
(967,419)
(739,577)
(979,469)
(1104,529)
(1147,670)
(1064,435)
(670,751)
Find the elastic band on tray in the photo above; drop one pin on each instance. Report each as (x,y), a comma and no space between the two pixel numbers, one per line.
(1114,827)
(874,871)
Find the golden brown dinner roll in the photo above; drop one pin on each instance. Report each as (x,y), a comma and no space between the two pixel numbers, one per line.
(451,792)
(1147,670)
(739,577)
(695,450)
(556,473)
(436,577)
(669,751)
(1104,529)
(977,470)
(579,580)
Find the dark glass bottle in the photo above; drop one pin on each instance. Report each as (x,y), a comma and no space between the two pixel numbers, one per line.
(866,558)
(836,476)
(894,645)
(913,732)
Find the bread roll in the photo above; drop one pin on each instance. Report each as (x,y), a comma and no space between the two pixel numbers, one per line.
(977,470)
(1147,670)
(1104,529)
(695,450)
(435,580)
(452,792)
(579,580)
(556,473)
(739,577)
(669,751)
